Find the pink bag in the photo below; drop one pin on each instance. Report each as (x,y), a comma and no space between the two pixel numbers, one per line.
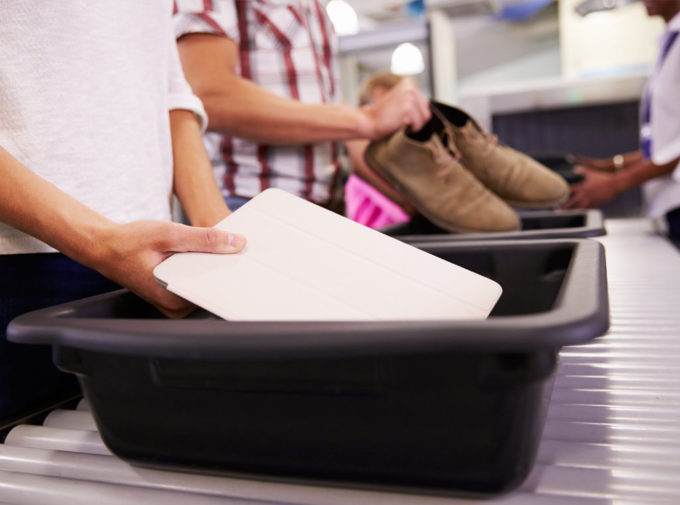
(368,206)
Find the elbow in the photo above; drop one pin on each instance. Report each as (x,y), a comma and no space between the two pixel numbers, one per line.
(217,110)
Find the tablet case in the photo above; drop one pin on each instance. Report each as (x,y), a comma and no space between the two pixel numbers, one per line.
(305,263)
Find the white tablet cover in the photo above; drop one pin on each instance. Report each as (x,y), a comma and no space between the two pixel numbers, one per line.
(305,263)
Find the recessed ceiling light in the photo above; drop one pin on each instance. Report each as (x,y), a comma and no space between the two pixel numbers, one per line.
(407,60)
(343,16)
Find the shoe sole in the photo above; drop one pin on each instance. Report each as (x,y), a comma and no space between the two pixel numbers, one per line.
(545,204)
(370,159)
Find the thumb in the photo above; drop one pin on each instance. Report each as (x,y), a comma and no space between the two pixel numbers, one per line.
(208,240)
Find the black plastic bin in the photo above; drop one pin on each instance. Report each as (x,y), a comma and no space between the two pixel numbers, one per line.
(448,406)
(536,224)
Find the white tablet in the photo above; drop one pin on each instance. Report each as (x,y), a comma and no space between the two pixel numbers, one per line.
(305,263)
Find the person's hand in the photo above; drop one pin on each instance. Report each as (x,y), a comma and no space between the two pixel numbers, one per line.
(129,253)
(596,188)
(403,105)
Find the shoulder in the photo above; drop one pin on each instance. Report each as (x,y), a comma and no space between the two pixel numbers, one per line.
(217,17)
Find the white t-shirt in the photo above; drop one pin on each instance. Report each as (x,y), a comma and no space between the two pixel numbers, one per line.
(663,193)
(85,91)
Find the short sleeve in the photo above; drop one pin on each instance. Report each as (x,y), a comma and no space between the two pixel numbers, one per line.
(665,113)
(217,18)
(180,95)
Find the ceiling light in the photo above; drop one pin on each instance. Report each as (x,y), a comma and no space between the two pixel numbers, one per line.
(407,60)
(343,16)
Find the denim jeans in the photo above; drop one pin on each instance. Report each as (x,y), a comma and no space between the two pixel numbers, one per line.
(673,221)
(234,202)
(28,378)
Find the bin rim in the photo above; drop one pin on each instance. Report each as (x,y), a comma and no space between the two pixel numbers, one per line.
(592,227)
(580,314)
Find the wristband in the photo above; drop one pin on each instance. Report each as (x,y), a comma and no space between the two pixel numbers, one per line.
(617,161)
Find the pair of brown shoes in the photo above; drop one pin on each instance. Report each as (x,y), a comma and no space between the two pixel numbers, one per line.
(460,178)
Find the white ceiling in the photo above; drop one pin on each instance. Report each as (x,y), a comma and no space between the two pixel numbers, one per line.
(373,12)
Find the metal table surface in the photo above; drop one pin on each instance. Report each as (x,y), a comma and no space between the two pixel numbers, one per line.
(612,435)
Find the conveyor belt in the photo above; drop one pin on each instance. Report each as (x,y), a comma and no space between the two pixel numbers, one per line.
(612,435)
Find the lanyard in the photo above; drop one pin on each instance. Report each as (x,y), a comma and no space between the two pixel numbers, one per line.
(646,103)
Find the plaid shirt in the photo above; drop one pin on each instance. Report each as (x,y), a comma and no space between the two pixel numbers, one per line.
(288,48)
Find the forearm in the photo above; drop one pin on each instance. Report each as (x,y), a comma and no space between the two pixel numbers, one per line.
(355,150)
(613,163)
(194,182)
(639,172)
(633,158)
(245,110)
(37,207)
(238,107)
(125,253)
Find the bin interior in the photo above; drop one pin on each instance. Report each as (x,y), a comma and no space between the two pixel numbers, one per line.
(530,221)
(531,278)
(394,404)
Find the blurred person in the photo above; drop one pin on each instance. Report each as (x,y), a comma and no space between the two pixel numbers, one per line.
(369,198)
(655,164)
(267,75)
(98,128)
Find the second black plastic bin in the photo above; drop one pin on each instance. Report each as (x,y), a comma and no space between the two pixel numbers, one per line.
(454,406)
(536,224)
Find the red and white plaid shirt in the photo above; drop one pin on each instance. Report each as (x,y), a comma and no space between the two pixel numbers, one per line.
(288,48)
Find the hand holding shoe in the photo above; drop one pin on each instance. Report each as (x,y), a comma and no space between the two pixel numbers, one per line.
(596,188)
(403,105)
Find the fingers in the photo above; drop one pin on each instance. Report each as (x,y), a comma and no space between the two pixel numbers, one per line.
(571,203)
(416,106)
(193,239)
(424,107)
(169,304)
(208,240)
(403,105)
(130,252)
(577,200)
(421,114)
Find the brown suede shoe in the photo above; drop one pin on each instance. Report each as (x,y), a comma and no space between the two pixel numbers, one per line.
(515,177)
(421,166)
